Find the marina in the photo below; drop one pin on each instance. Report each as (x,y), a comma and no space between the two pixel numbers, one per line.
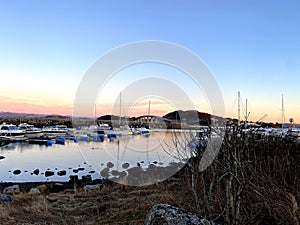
(102,152)
(82,155)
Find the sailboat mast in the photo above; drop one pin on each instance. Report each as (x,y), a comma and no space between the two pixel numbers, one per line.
(246,117)
(282,112)
(95,114)
(247,114)
(148,112)
(239,108)
(149,107)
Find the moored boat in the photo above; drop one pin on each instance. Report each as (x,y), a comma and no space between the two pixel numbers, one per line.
(30,130)
(103,128)
(122,130)
(10,130)
(144,130)
(56,129)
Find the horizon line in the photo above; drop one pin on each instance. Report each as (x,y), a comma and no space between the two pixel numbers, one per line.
(90,117)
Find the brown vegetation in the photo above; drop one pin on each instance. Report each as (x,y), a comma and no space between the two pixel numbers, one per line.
(253,180)
(113,204)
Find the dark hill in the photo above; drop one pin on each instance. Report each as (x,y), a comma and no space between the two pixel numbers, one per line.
(190,116)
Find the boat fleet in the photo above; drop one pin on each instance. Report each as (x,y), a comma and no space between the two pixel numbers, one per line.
(270,132)
(59,133)
(205,135)
(28,130)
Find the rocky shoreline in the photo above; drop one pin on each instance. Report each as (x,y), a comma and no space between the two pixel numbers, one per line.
(47,187)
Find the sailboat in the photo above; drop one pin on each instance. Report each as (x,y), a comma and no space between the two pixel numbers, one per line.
(122,130)
(145,130)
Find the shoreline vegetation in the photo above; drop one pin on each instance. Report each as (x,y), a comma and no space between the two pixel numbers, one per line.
(253,180)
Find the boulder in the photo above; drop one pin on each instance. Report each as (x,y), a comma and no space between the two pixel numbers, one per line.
(14,189)
(170,215)
(61,173)
(16,172)
(110,165)
(93,187)
(49,173)
(35,191)
(6,199)
(36,171)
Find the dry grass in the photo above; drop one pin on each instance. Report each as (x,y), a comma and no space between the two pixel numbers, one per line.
(114,204)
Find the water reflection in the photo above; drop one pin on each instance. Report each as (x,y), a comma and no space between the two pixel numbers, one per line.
(117,159)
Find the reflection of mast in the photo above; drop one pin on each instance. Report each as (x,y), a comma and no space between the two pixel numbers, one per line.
(120,111)
(118,154)
(147,141)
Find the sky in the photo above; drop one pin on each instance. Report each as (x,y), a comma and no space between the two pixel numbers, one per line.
(251,46)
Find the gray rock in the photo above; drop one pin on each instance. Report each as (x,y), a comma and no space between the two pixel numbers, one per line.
(169,215)
(92,187)
(35,191)
(14,189)
(6,199)
(49,173)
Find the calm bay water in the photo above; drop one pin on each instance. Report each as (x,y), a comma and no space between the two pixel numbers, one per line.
(88,157)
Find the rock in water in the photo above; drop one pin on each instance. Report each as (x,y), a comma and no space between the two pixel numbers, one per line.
(36,171)
(61,173)
(49,173)
(125,165)
(5,199)
(170,215)
(110,165)
(17,172)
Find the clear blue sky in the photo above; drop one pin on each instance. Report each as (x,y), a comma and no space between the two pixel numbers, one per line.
(252,46)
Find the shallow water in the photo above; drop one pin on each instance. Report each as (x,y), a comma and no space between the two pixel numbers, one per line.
(87,158)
